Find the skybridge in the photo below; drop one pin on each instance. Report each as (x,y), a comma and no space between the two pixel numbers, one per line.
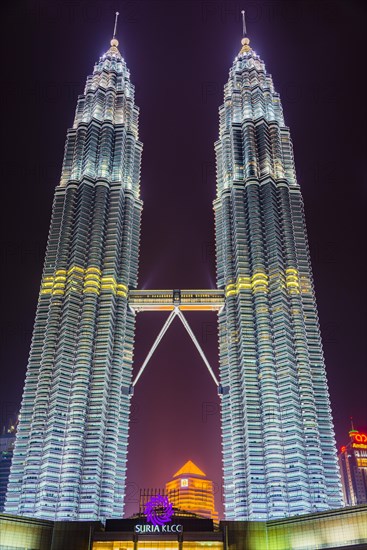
(167,300)
(176,301)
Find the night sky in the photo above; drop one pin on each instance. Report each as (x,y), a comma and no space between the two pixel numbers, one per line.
(179,55)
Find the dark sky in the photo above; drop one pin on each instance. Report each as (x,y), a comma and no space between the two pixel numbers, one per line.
(179,55)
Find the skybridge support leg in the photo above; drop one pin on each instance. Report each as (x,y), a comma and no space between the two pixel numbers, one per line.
(197,345)
(172,315)
(169,320)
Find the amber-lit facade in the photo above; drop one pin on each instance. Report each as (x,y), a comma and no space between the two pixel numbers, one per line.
(158,545)
(353,469)
(192,491)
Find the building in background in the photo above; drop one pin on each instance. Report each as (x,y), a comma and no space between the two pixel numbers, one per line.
(190,490)
(7,439)
(71,449)
(353,468)
(279,451)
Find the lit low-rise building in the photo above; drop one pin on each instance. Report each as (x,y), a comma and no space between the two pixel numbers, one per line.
(192,491)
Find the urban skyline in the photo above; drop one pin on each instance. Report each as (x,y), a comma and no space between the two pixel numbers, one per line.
(210,188)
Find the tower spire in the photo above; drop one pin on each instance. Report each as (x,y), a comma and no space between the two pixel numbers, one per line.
(115,27)
(244,31)
(245,41)
(114,42)
(352,430)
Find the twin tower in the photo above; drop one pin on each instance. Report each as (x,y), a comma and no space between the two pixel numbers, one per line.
(279,456)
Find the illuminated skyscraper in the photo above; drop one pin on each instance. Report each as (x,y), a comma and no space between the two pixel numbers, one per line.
(279,454)
(70,453)
(190,490)
(353,468)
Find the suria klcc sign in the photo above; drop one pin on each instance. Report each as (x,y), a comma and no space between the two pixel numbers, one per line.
(159,511)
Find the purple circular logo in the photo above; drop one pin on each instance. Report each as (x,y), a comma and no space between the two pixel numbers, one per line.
(159,510)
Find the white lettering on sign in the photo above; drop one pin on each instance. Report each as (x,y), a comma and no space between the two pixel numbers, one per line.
(175,528)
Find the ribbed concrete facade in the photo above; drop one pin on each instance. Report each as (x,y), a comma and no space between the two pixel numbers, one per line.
(70,454)
(278,438)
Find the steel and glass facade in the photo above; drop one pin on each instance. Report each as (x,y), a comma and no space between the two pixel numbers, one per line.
(70,454)
(279,455)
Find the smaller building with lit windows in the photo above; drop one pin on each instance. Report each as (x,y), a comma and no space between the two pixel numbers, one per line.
(192,491)
(7,439)
(353,468)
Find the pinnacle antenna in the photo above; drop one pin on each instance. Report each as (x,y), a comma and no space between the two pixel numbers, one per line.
(115,27)
(244,30)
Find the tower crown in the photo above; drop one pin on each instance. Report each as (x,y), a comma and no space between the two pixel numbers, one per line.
(245,45)
(189,468)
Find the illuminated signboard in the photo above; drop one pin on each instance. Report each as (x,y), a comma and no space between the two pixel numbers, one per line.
(159,511)
(145,529)
(362,462)
(359,441)
(360,438)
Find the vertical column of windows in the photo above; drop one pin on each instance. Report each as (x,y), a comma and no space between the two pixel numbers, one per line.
(219,245)
(135,244)
(330,484)
(91,150)
(77,153)
(270,297)
(99,371)
(73,376)
(113,478)
(287,154)
(259,344)
(289,390)
(118,153)
(246,334)
(67,167)
(231,401)
(250,164)
(106,142)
